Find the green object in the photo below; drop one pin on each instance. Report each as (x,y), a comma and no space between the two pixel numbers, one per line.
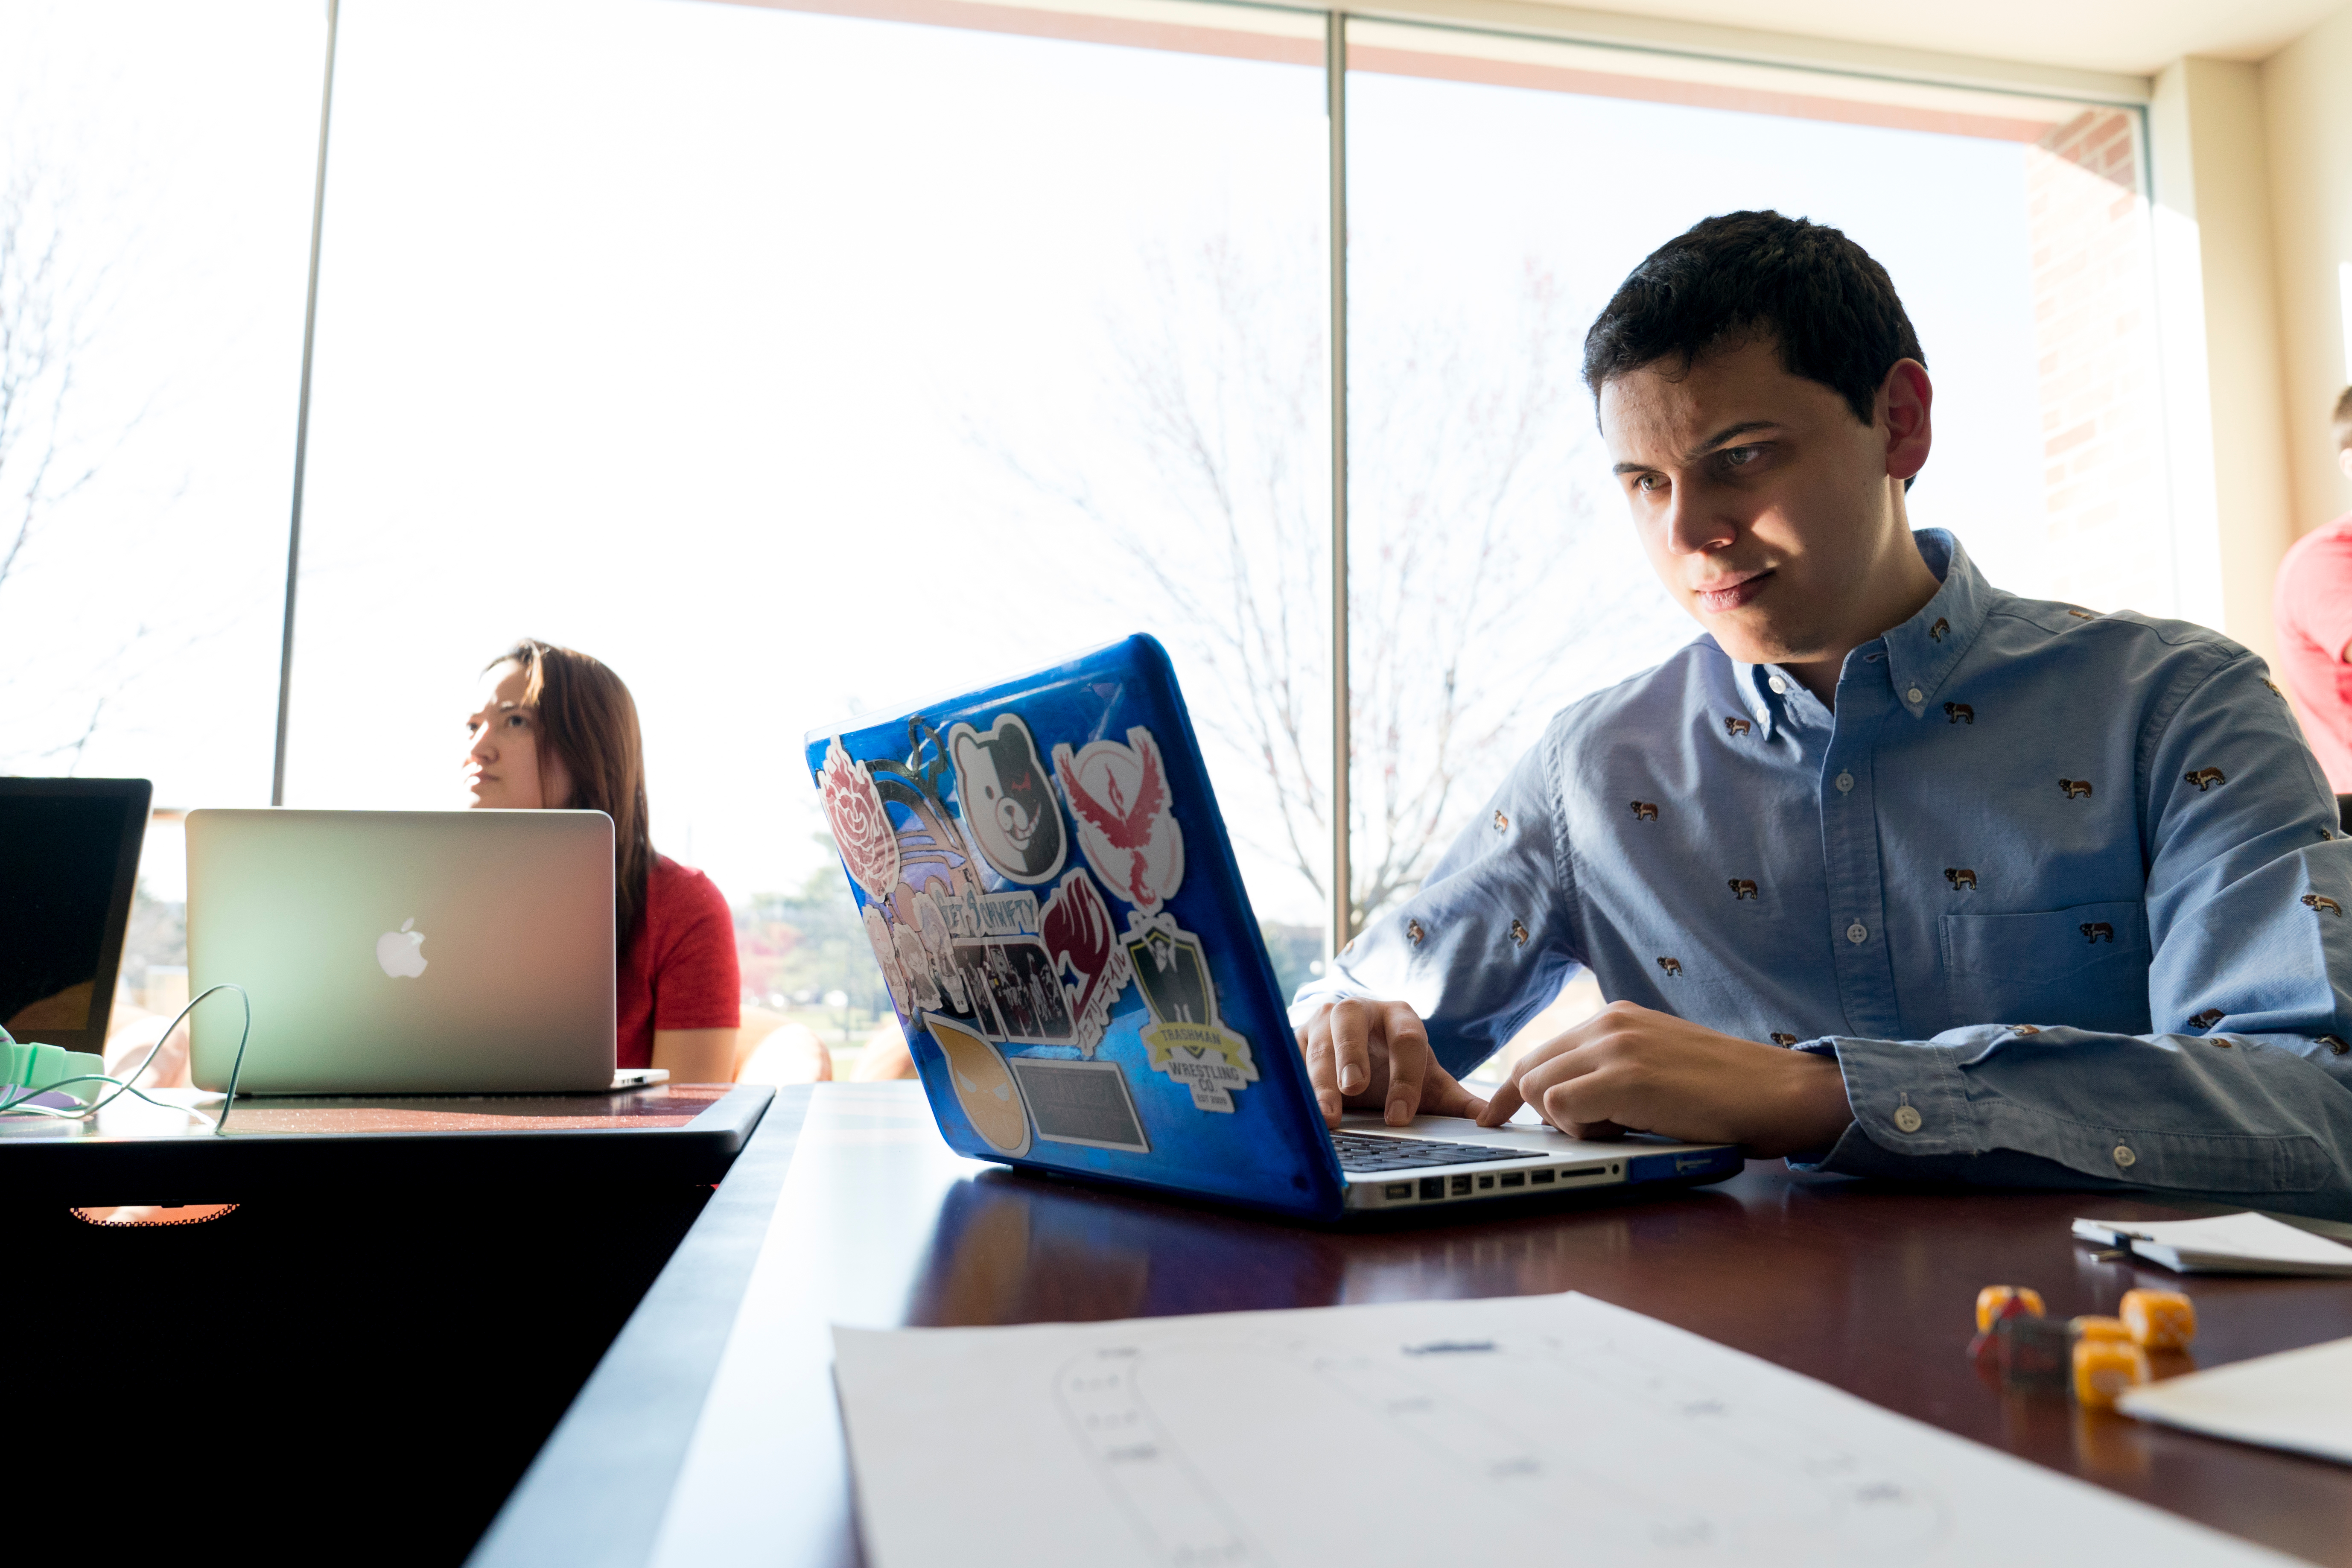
(38,1068)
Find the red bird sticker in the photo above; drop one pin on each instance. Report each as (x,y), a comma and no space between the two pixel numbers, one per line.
(1118,793)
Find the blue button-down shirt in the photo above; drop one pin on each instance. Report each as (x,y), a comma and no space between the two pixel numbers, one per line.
(2064,893)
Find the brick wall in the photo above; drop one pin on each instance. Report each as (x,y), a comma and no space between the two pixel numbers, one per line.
(2107,523)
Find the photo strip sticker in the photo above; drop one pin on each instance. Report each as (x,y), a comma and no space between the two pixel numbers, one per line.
(1007,803)
(885,953)
(1120,796)
(1184,1038)
(984,1086)
(1084,944)
(860,824)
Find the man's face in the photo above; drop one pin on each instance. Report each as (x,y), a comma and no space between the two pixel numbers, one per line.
(1771,514)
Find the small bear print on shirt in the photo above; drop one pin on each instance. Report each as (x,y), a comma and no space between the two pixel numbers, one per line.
(1961,877)
(1671,965)
(1780,1039)
(2318,902)
(2205,778)
(1645,811)
(2208,1018)
(1520,933)
(2075,789)
(1502,823)
(1413,933)
(2081,615)
(2023,1029)
(2096,931)
(1959,713)
(1741,887)
(2333,1043)
(1736,726)
(1940,628)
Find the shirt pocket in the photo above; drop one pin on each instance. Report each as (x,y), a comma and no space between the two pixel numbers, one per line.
(2085,968)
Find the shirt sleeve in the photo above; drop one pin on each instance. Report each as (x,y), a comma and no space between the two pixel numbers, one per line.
(1488,938)
(2315,593)
(2245,1088)
(696,983)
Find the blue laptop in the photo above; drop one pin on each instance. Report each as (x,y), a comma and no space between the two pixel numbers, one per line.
(1046,881)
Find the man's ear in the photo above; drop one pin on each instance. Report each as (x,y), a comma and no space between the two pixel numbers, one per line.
(2344,461)
(1905,400)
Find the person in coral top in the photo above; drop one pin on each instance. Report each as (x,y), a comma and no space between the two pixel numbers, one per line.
(2313,610)
(553,728)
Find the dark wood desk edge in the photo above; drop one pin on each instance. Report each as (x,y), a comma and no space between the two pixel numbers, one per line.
(199,1170)
(598,1488)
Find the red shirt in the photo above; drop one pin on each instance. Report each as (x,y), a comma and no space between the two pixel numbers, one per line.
(2313,610)
(678,971)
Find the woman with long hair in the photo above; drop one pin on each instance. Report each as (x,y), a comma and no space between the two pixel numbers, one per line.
(552,729)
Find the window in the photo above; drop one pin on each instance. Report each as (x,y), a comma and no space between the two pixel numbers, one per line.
(156,164)
(1500,188)
(795,364)
(790,361)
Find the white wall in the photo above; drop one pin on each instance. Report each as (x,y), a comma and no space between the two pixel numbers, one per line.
(2307,99)
(2221,336)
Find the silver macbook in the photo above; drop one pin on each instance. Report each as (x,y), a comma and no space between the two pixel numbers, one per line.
(403,952)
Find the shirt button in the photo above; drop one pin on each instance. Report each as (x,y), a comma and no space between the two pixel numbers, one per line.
(2124,1157)
(1906,1118)
(1857,933)
(1915,695)
(1845,782)
(1779,685)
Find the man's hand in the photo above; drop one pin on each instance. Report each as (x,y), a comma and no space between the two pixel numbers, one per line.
(1371,1055)
(1629,1070)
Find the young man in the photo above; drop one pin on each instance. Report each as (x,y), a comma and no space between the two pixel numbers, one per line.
(2019,893)
(2314,611)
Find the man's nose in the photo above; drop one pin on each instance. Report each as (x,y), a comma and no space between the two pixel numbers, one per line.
(1693,526)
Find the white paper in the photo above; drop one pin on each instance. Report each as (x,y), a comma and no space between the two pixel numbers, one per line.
(2298,1399)
(2256,1241)
(1503,1431)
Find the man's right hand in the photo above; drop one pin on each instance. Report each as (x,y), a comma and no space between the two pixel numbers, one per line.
(1375,1055)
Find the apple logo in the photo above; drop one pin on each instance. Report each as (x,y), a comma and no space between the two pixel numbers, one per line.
(401,952)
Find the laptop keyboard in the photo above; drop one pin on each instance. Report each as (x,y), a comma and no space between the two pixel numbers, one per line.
(1364,1152)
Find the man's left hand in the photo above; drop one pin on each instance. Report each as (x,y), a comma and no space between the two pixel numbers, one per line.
(1629,1070)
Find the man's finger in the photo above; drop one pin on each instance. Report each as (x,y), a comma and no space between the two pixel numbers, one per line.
(1502,1105)
(1409,1061)
(1314,1042)
(1351,1054)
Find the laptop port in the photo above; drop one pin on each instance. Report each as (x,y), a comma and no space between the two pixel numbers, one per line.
(1461,1184)
(1485,1183)
(1397,1190)
(1432,1188)
(1543,1178)
(1514,1179)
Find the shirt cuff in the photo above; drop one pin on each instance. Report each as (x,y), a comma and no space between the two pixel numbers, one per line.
(1908,1100)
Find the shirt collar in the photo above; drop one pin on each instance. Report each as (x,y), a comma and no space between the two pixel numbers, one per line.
(1923,651)
(1918,655)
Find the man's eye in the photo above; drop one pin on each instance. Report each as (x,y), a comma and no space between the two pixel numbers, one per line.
(1647,482)
(1740,457)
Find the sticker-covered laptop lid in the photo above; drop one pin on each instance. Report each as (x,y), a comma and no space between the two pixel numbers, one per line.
(1049,890)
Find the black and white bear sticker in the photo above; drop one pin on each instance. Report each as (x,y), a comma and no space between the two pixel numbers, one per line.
(1007,800)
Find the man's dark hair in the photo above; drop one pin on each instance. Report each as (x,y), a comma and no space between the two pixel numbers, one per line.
(1745,277)
(2343,420)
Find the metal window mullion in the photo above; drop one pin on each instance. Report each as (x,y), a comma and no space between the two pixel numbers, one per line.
(302,413)
(1335,70)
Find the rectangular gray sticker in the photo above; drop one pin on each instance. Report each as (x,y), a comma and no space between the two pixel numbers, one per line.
(1080,1103)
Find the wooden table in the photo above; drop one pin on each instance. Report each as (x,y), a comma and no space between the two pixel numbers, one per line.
(140,1153)
(358,1361)
(711,1434)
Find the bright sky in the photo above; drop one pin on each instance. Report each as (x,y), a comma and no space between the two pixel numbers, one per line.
(698,336)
